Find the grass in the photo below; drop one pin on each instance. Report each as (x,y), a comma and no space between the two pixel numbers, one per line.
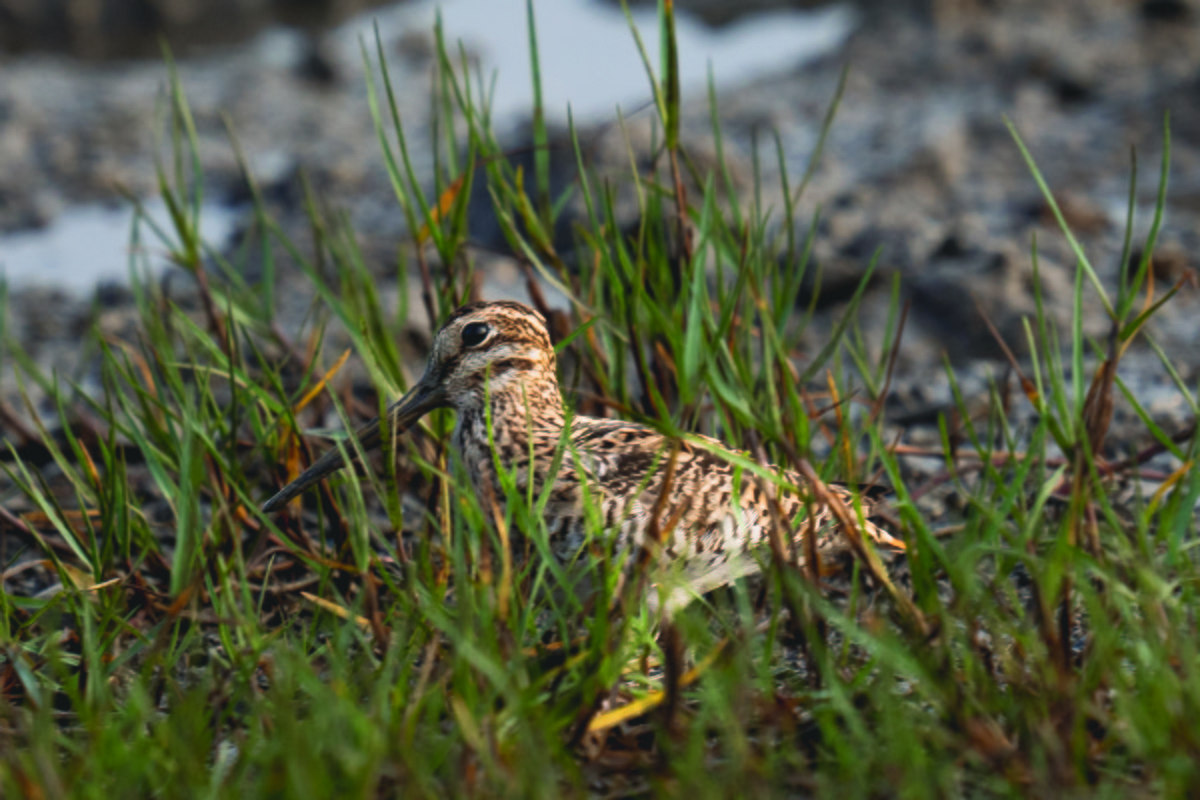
(378,642)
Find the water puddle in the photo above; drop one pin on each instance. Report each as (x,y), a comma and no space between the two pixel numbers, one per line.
(589,59)
(91,244)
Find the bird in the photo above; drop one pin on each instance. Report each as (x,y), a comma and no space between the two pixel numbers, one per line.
(704,521)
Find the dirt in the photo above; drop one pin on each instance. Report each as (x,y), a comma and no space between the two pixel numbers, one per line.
(920,167)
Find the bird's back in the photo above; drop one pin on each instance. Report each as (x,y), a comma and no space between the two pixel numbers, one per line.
(713,521)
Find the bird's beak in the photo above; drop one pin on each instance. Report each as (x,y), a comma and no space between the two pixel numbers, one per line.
(425,396)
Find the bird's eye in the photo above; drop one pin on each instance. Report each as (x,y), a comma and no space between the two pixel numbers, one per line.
(475,333)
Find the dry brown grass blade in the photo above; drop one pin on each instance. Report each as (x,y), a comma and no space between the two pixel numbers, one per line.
(815,414)
(428,660)
(672,648)
(13,520)
(75,520)
(846,445)
(320,385)
(504,590)
(1096,418)
(989,740)
(444,204)
(216,320)
(90,465)
(337,611)
(143,367)
(663,358)
(865,553)
(375,613)
(881,400)
(291,443)
(79,579)
(609,719)
(1174,478)
(656,532)
(1027,386)
(783,558)
(181,601)
(17,569)
(1098,407)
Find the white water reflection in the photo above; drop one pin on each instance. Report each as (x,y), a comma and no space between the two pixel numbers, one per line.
(91,244)
(588,55)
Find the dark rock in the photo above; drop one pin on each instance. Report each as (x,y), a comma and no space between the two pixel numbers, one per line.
(1168,264)
(722,12)
(1081,214)
(1166,11)
(717,13)
(110,294)
(316,67)
(106,29)
(956,297)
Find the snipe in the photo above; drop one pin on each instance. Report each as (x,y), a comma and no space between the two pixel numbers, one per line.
(714,525)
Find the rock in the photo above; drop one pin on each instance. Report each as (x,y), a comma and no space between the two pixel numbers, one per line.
(609,150)
(1168,264)
(105,29)
(960,292)
(1165,11)
(1081,214)
(722,12)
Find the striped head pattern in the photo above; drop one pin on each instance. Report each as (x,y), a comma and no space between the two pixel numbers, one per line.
(483,350)
(491,348)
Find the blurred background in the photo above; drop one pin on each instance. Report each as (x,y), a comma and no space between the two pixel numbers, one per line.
(920,166)
(82,80)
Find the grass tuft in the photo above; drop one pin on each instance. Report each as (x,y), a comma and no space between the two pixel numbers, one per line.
(161,636)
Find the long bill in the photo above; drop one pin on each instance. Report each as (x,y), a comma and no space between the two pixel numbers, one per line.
(421,399)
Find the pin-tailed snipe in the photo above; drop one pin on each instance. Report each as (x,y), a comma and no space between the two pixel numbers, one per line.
(715,524)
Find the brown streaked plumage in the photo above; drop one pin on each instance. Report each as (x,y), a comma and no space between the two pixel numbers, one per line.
(500,355)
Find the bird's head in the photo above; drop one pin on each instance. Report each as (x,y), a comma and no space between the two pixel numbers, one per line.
(487,348)
(482,350)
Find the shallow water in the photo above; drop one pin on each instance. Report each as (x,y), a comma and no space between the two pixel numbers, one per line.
(92,244)
(589,59)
